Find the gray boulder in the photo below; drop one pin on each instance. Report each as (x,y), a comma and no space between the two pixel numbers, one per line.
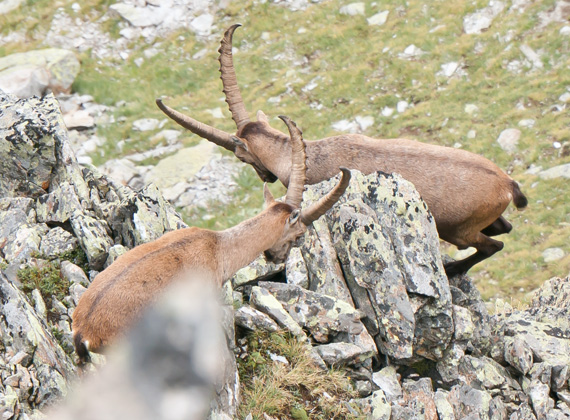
(34,72)
(388,248)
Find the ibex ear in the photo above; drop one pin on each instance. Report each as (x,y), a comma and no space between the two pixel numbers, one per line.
(267,196)
(294,216)
(239,142)
(262,117)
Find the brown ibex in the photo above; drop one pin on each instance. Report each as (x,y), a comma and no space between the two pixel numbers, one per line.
(465,192)
(119,293)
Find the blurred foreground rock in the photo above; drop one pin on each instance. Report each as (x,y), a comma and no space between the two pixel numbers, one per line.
(171,365)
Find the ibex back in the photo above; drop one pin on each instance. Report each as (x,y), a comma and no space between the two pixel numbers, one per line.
(465,192)
(118,294)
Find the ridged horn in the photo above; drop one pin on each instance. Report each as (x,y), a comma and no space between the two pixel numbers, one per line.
(297,176)
(219,137)
(316,210)
(229,79)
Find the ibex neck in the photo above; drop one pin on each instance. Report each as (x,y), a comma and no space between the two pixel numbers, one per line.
(276,157)
(241,244)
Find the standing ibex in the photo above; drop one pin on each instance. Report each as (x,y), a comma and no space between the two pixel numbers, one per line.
(465,192)
(118,294)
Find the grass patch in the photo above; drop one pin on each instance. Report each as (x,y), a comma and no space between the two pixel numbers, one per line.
(298,390)
(44,274)
(46,277)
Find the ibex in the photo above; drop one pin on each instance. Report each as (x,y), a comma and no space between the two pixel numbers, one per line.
(465,192)
(119,293)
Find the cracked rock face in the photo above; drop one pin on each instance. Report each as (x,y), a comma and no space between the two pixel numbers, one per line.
(387,246)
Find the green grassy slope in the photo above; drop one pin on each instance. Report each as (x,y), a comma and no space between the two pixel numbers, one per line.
(358,72)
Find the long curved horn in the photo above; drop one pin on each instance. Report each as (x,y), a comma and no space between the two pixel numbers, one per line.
(229,79)
(219,137)
(316,210)
(297,176)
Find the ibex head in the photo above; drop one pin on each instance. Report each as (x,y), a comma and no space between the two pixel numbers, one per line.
(299,219)
(247,143)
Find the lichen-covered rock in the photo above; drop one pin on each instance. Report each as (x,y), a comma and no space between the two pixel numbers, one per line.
(387,380)
(252,319)
(23,332)
(518,354)
(57,241)
(258,269)
(324,271)
(341,354)
(296,269)
(386,242)
(376,406)
(419,397)
(27,148)
(264,301)
(466,401)
(323,316)
(442,405)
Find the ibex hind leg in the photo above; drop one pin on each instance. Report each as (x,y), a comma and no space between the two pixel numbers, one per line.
(498,227)
(485,248)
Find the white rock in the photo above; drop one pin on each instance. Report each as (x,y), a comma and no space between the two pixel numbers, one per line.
(552,254)
(560,171)
(509,139)
(532,56)
(477,22)
(121,170)
(449,68)
(76,7)
(353,9)
(457,145)
(25,81)
(78,119)
(84,160)
(140,16)
(565,97)
(379,18)
(565,30)
(139,61)
(471,134)
(200,54)
(266,36)
(364,122)
(346,126)
(171,136)
(145,124)
(527,123)
(9,5)
(411,51)
(471,109)
(216,112)
(556,144)
(402,106)
(387,111)
(533,169)
(202,25)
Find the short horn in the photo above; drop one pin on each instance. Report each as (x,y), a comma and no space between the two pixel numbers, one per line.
(219,137)
(316,210)
(229,79)
(297,176)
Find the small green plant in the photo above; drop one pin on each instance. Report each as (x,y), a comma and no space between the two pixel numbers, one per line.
(46,278)
(292,389)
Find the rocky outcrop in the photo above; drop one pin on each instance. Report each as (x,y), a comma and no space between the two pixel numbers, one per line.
(375,299)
